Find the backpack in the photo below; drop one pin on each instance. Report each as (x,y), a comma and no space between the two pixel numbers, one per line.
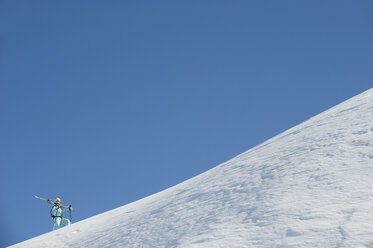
(53,216)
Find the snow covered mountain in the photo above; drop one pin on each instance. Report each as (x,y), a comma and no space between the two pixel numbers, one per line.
(311,186)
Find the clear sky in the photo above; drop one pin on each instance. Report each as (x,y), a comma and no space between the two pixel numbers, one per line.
(105,102)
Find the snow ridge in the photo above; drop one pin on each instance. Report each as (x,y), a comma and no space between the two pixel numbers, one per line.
(311,186)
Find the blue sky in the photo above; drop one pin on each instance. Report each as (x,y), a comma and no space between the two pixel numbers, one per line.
(105,102)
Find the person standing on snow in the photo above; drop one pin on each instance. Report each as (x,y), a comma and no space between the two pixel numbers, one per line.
(56,213)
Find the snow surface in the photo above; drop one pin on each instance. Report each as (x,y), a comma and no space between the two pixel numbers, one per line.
(311,186)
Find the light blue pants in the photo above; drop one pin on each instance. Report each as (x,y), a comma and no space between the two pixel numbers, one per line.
(60,222)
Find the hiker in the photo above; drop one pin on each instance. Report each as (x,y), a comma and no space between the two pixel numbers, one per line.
(56,213)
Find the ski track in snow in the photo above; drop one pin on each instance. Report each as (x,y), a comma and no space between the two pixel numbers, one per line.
(311,186)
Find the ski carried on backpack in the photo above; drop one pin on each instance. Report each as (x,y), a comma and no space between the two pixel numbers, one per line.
(48,201)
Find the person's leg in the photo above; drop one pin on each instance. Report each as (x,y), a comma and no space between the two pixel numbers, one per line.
(65,222)
(57,223)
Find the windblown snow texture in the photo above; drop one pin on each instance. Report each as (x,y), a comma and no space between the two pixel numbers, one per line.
(311,186)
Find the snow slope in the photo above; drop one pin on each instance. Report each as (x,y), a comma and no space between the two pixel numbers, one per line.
(311,186)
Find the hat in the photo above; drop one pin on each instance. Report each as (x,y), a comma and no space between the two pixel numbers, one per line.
(57,200)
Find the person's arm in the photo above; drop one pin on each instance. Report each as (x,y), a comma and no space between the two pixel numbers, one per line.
(53,211)
(67,208)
